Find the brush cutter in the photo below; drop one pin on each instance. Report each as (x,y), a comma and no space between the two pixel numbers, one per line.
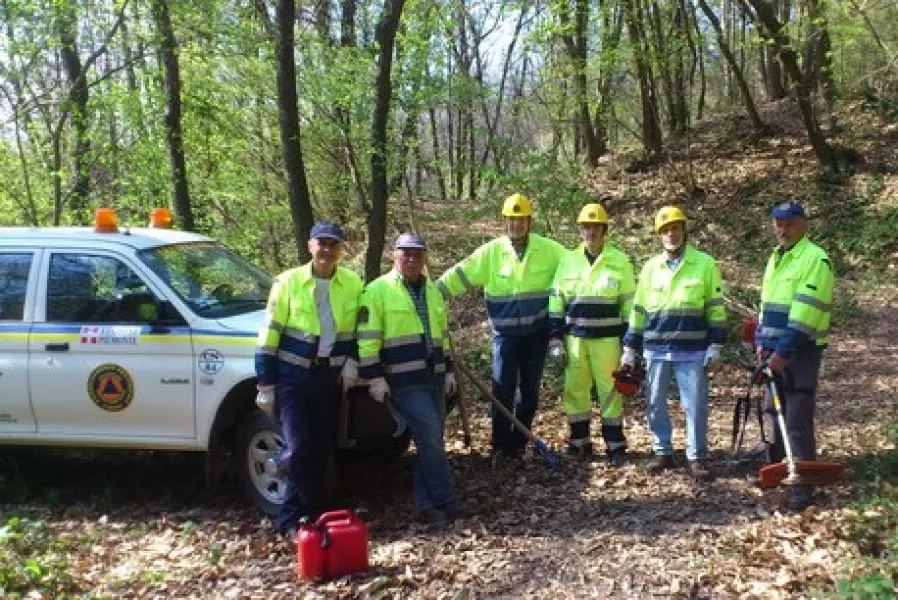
(549,457)
(795,472)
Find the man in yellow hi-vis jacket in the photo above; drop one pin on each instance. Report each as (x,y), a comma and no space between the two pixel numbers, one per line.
(307,337)
(678,321)
(588,311)
(516,272)
(796,301)
(404,353)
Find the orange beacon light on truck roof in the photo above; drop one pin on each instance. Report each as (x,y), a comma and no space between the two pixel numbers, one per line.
(105,220)
(160,218)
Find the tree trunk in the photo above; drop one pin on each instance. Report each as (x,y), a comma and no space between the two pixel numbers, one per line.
(288,122)
(67,27)
(385,35)
(575,43)
(739,77)
(775,29)
(437,155)
(168,48)
(651,128)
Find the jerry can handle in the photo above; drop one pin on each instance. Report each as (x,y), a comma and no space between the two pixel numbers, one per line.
(334,515)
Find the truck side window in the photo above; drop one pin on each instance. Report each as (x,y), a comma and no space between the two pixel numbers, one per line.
(95,289)
(14,269)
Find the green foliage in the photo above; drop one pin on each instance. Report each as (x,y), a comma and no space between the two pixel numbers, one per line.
(873,525)
(33,560)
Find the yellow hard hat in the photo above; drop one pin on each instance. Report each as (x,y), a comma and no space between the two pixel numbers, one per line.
(669,214)
(593,213)
(517,205)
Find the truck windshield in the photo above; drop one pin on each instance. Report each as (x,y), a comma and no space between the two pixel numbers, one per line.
(214,281)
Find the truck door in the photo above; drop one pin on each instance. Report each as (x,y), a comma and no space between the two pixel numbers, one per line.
(98,366)
(16,274)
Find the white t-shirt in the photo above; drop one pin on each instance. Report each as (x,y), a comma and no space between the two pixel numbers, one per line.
(325,316)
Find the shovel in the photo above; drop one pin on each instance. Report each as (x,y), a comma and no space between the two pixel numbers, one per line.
(549,457)
(795,472)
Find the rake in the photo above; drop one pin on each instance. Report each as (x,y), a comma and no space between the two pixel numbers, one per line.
(548,456)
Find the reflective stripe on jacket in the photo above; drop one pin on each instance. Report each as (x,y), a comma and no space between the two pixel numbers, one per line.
(796,299)
(288,337)
(391,336)
(591,301)
(678,310)
(517,291)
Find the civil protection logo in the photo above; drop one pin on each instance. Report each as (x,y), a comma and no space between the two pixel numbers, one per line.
(110,387)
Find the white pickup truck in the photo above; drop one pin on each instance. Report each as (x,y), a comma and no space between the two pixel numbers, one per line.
(136,338)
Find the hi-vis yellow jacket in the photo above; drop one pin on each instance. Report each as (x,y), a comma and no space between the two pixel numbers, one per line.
(391,336)
(517,291)
(591,301)
(288,337)
(796,299)
(678,310)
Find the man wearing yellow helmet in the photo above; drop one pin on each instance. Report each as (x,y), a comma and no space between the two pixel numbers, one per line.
(516,272)
(677,322)
(591,298)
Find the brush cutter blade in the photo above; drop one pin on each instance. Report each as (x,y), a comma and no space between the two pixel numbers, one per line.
(808,473)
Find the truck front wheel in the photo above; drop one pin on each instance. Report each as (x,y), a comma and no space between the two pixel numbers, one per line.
(258,444)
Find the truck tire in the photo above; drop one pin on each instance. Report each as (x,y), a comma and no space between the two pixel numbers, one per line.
(258,444)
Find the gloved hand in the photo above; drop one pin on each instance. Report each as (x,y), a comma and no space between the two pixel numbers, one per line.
(556,350)
(350,373)
(451,384)
(379,389)
(712,355)
(628,358)
(265,399)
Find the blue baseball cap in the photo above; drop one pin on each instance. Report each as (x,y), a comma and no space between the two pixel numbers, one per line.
(787,210)
(410,241)
(327,230)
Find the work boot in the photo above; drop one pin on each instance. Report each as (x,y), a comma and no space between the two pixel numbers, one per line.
(799,499)
(582,451)
(660,462)
(432,516)
(457,510)
(698,470)
(617,457)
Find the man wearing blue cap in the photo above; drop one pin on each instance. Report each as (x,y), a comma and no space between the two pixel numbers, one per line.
(305,345)
(796,300)
(403,331)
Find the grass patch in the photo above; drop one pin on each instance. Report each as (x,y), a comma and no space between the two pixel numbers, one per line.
(872,526)
(33,561)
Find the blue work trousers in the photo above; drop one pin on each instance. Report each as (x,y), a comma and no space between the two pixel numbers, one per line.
(798,392)
(424,409)
(307,414)
(518,362)
(692,380)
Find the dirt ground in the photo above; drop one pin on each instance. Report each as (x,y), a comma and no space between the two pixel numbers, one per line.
(146,527)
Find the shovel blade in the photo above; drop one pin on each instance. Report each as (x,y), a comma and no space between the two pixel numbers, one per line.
(808,473)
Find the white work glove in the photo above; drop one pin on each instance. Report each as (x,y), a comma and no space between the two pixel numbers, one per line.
(378,389)
(350,373)
(451,385)
(265,399)
(556,350)
(712,355)
(628,358)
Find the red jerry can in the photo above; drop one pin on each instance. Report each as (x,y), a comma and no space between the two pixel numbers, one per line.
(334,545)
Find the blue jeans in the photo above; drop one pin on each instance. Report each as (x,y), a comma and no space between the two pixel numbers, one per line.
(307,414)
(692,381)
(518,362)
(424,408)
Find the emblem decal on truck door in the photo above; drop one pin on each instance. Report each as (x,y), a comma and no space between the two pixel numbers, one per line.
(210,361)
(110,387)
